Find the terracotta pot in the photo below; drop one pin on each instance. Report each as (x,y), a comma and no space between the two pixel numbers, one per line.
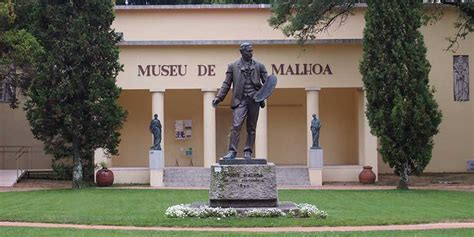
(104,177)
(367,176)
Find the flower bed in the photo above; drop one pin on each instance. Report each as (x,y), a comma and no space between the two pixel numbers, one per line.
(302,210)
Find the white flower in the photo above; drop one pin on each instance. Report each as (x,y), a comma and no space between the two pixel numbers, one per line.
(302,210)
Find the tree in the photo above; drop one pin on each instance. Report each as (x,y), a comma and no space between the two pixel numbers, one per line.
(401,109)
(19,50)
(72,105)
(303,19)
(465,23)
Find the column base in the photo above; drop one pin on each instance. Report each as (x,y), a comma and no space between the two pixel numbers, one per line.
(156,178)
(315,177)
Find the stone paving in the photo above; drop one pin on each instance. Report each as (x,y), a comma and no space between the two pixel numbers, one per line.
(431,226)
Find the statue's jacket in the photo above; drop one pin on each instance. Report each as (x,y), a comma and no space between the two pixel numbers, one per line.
(235,77)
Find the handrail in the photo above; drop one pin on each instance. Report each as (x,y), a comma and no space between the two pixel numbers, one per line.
(19,155)
(22,162)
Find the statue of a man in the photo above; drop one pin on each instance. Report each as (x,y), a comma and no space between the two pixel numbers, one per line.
(246,77)
(155,129)
(315,127)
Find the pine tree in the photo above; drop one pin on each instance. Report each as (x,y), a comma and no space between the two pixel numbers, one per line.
(72,105)
(401,110)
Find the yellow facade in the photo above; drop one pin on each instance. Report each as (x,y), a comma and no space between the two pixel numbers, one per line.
(174,57)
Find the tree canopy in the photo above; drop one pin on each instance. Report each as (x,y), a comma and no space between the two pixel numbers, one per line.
(304,19)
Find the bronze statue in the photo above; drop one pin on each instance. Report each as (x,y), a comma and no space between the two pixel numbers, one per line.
(155,129)
(315,127)
(246,77)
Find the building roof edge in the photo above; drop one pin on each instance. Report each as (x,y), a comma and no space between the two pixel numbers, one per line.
(235,42)
(202,6)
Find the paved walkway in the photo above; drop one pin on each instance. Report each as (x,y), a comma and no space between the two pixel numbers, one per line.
(432,226)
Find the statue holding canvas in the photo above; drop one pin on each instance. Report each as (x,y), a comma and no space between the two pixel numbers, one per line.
(250,87)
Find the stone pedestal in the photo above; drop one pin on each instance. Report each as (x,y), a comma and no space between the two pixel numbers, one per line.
(315,167)
(316,158)
(156,168)
(243,186)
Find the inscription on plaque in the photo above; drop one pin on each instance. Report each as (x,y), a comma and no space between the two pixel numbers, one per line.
(242,183)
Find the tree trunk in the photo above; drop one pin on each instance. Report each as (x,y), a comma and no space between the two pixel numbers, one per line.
(77,169)
(403,184)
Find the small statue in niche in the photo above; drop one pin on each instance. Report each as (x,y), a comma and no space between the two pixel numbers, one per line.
(155,129)
(315,127)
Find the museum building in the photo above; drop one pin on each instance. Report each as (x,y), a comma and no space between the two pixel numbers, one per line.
(175,59)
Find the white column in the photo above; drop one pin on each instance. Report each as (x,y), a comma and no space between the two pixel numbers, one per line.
(361,123)
(158,107)
(209,127)
(368,146)
(312,107)
(261,140)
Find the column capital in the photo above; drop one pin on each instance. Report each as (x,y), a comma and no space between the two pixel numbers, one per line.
(312,88)
(209,89)
(157,90)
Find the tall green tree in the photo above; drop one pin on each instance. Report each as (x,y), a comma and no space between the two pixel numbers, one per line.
(72,105)
(19,49)
(400,106)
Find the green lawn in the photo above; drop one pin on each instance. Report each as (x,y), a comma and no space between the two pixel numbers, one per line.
(147,207)
(14,231)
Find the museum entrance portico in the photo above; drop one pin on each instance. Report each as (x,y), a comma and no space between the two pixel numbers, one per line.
(282,131)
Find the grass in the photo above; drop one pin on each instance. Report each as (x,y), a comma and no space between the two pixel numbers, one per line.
(147,207)
(16,231)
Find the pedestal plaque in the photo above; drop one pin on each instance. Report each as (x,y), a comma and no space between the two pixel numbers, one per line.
(156,159)
(243,186)
(315,167)
(316,158)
